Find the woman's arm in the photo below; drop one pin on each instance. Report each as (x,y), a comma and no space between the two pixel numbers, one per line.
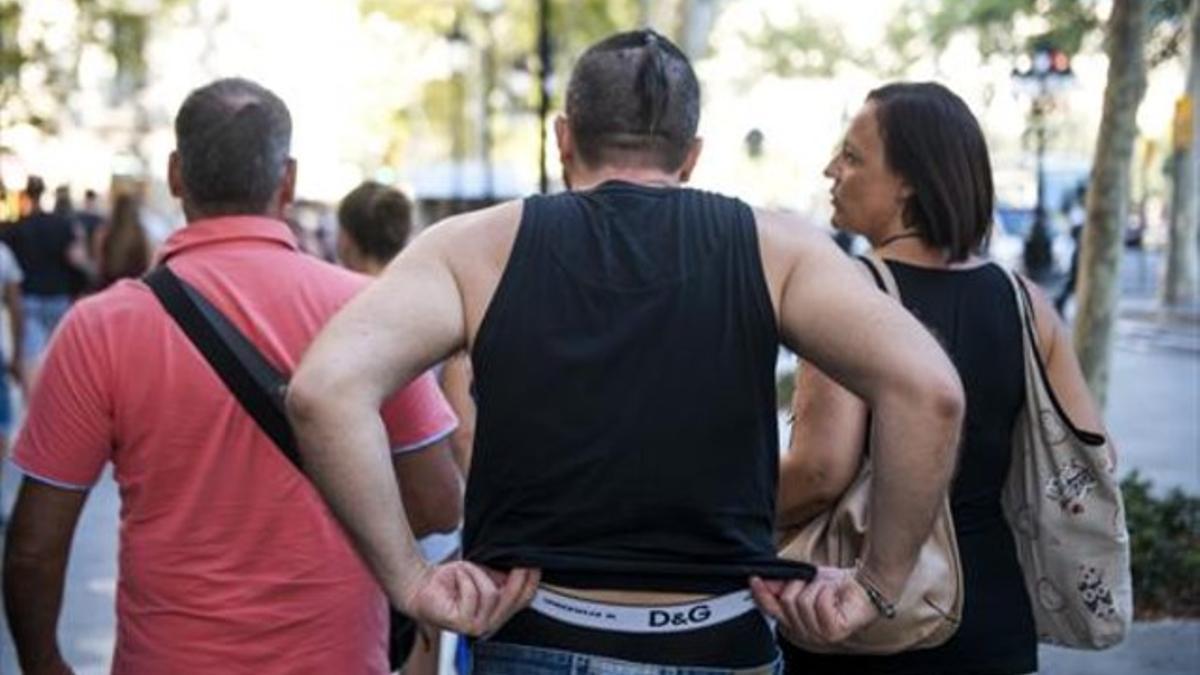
(828,432)
(1062,366)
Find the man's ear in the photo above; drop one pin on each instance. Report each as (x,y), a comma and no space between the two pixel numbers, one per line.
(566,144)
(347,250)
(287,184)
(175,175)
(690,159)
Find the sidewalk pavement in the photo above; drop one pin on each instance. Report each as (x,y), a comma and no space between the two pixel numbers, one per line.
(1157,648)
(1154,383)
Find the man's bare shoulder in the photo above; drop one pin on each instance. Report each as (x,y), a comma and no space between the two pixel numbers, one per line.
(786,230)
(475,232)
(785,240)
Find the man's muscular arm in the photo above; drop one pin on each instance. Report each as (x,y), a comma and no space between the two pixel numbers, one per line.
(409,318)
(868,343)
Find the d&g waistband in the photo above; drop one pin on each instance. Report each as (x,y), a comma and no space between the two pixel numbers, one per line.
(641,618)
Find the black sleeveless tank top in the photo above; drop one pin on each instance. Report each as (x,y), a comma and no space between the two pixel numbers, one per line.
(973,314)
(624,375)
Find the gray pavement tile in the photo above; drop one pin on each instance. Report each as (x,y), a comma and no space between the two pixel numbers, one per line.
(1158,648)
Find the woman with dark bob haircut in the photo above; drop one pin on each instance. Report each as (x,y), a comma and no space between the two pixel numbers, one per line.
(913,176)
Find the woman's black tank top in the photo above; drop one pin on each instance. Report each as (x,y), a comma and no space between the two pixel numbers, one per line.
(973,314)
(625,381)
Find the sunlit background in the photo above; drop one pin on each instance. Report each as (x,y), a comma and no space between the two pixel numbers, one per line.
(441,97)
(447,99)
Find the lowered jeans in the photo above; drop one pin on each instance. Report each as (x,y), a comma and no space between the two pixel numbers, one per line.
(499,658)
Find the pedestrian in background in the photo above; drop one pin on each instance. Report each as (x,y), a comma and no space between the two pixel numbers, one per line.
(90,217)
(10,359)
(1076,214)
(42,243)
(122,250)
(374,224)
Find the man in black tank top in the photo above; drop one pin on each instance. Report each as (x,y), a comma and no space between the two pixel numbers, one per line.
(620,505)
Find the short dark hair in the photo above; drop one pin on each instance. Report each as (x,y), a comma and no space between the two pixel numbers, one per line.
(233,138)
(377,219)
(932,140)
(34,186)
(633,95)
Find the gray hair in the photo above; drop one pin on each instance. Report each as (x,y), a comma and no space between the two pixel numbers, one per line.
(233,138)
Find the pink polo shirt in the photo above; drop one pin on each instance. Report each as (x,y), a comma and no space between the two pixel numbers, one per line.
(229,560)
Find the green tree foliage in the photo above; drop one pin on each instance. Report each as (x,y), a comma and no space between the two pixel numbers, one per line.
(1066,23)
(1164,543)
(804,46)
(808,46)
(39,60)
(1015,27)
(447,106)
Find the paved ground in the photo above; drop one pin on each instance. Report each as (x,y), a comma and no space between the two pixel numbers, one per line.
(1161,648)
(1152,412)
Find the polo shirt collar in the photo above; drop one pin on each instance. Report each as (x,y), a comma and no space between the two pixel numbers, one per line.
(228,229)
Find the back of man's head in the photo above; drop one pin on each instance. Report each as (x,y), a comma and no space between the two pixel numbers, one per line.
(633,99)
(233,138)
(34,187)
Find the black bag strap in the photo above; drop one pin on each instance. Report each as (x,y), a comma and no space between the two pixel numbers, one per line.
(873,266)
(256,384)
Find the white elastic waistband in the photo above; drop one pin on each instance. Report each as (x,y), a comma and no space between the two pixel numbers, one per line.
(640,618)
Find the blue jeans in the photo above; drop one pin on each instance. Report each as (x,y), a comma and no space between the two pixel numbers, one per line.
(499,658)
(42,314)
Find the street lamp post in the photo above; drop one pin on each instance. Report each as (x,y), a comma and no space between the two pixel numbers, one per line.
(1048,72)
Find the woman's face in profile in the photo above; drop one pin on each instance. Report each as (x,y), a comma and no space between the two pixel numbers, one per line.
(868,197)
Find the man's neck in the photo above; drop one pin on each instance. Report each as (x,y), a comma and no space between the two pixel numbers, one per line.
(193,215)
(370,267)
(589,178)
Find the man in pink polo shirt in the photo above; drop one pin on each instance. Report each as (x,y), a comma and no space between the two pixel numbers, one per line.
(229,560)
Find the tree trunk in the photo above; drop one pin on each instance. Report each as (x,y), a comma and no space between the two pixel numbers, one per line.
(1108,192)
(1179,280)
(696,19)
